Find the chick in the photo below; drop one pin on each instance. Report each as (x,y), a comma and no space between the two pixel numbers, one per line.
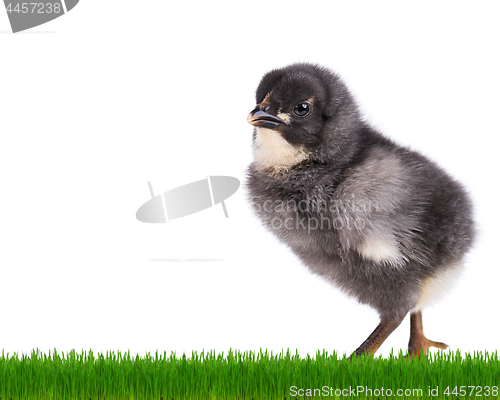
(381,222)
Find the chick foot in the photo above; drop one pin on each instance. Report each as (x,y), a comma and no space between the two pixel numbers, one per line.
(375,340)
(418,342)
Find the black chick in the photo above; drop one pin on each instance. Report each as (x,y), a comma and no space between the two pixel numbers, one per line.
(383,223)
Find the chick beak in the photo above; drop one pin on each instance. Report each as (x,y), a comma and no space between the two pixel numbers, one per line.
(264,120)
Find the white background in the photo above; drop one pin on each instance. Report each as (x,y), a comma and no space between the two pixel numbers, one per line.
(113,94)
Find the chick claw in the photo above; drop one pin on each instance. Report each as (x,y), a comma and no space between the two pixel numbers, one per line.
(417,346)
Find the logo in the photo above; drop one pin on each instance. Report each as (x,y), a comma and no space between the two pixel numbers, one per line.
(188,199)
(25,15)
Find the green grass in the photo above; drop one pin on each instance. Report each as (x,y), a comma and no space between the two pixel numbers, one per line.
(237,375)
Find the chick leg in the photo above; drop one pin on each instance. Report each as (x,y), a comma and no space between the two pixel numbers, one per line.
(418,342)
(378,336)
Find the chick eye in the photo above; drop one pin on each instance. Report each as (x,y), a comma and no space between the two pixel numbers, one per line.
(301,109)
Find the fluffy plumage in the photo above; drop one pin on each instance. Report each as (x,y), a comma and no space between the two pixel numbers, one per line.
(380,221)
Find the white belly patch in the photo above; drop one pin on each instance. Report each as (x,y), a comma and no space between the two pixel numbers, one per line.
(382,250)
